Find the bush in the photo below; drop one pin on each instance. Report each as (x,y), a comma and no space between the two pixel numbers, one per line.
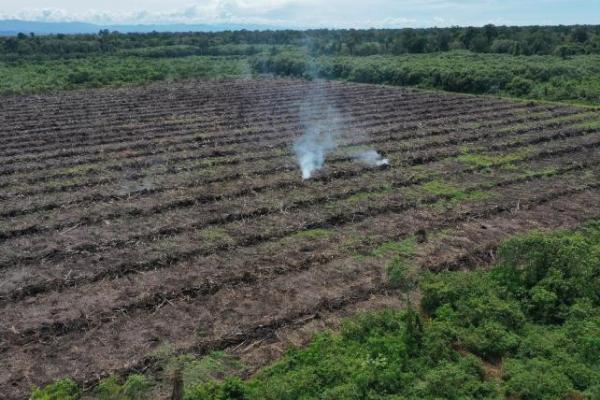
(529,328)
(505,46)
(524,313)
(519,87)
(136,387)
(536,380)
(65,389)
(550,273)
(79,77)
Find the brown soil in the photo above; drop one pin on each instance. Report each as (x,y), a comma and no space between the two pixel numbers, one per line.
(175,214)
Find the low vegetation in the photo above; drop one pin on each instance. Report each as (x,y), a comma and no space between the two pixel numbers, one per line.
(545,63)
(529,77)
(92,72)
(528,328)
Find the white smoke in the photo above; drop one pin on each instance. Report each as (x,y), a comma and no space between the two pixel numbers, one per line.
(321,123)
(371,158)
(312,148)
(322,131)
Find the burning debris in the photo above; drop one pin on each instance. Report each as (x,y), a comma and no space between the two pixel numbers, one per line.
(322,136)
(371,158)
(311,150)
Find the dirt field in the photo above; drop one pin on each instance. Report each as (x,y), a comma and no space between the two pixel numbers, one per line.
(176,214)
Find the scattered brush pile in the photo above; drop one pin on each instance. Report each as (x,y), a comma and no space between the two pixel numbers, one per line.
(529,328)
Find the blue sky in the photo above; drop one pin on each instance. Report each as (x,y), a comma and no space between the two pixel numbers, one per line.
(310,13)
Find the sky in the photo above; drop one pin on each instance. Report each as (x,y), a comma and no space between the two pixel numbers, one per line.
(309,13)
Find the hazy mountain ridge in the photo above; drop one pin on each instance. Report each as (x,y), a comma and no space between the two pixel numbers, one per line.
(14,27)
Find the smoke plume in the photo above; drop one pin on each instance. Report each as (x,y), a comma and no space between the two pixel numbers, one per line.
(322,126)
(371,158)
(311,150)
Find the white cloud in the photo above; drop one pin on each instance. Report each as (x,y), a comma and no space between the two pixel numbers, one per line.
(306,13)
(393,22)
(211,11)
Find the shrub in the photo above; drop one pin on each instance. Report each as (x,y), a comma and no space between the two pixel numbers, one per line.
(79,77)
(65,389)
(529,328)
(536,379)
(519,87)
(136,387)
(550,273)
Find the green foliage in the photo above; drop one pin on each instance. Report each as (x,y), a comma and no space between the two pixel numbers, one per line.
(568,72)
(550,63)
(519,87)
(537,379)
(33,76)
(534,319)
(527,40)
(136,387)
(402,274)
(230,389)
(65,389)
(489,160)
(550,273)
(529,328)
(404,248)
(549,77)
(202,370)
(313,234)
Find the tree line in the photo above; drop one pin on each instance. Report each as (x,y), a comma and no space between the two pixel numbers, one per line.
(530,40)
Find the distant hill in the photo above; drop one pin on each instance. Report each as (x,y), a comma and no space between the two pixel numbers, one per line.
(13,27)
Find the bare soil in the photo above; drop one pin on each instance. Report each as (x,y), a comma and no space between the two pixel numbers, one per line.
(175,215)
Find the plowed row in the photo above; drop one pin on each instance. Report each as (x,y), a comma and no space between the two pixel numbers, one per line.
(175,214)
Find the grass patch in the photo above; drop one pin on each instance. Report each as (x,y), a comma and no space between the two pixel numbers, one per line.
(215,236)
(451,203)
(136,387)
(554,121)
(449,194)
(400,271)
(544,172)
(358,245)
(64,389)
(569,118)
(589,125)
(441,188)
(370,196)
(402,274)
(481,160)
(312,234)
(196,371)
(404,248)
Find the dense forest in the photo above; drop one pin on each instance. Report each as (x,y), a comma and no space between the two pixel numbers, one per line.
(533,40)
(559,63)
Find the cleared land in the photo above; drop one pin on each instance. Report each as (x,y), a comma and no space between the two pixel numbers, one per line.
(175,215)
